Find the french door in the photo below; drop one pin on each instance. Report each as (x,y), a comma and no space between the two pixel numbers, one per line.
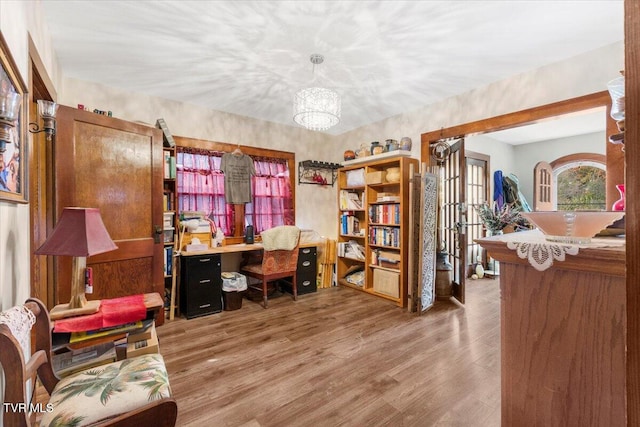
(464,177)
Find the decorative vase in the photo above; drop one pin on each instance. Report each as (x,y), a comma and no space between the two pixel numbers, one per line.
(376,148)
(392,175)
(405,143)
(364,150)
(618,205)
(349,155)
(392,145)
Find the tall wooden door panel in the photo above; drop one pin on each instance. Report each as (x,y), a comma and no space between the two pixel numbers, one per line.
(115,166)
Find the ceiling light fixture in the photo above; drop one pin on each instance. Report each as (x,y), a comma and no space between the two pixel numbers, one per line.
(316,108)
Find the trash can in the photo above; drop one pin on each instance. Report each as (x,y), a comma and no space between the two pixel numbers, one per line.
(233,287)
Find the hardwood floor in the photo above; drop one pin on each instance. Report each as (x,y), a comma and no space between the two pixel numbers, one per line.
(339,358)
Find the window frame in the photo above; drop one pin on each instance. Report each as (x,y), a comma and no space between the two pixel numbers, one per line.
(226,147)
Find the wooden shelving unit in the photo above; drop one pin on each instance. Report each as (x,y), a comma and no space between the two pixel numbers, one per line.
(374,216)
(170,225)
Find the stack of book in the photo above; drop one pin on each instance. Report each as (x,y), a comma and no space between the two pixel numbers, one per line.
(73,361)
(143,341)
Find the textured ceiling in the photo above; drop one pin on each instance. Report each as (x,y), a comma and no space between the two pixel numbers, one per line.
(383,57)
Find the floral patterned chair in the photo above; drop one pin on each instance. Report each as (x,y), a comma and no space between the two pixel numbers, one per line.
(131,392)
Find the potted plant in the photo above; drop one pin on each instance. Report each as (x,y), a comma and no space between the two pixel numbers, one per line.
(497,218)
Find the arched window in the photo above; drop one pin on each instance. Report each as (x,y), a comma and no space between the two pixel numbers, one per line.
(573,182)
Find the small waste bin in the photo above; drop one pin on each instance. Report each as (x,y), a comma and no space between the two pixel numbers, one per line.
(233,287)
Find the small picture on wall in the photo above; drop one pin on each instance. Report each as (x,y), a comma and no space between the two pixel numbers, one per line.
(13,141)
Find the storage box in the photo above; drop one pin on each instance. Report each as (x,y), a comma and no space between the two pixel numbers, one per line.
(376,177)
(355,178)
(386,282)
(168,233)
(205,239)
(389,259)
(139,348)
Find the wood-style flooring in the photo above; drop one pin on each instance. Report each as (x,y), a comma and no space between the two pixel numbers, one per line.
(339,357)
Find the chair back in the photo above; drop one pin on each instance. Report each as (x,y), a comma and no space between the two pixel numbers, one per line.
(15,333)
(280,249)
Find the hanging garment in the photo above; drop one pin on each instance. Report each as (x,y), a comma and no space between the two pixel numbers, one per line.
(512,193)
(498,195)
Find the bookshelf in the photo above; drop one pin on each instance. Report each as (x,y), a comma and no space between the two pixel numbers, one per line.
(373,224)
(170,223)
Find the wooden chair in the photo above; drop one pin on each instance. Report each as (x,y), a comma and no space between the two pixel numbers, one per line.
(131,392)
(276,264)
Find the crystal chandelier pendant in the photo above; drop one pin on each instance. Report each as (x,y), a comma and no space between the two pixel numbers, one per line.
(317,108)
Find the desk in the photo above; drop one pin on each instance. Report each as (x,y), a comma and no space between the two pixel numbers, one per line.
(306,276)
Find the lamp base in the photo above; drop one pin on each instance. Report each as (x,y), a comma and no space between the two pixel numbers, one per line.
(62,311)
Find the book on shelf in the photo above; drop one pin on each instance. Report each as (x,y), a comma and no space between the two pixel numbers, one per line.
(350,200)
(351,249)
(350,224)
(72,361)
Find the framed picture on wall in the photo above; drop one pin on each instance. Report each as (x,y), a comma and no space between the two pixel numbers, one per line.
(13,130)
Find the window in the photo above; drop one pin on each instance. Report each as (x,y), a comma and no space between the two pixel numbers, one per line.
(573,182)
(200,187)
(580,186)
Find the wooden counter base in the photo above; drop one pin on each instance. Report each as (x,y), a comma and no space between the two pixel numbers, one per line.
(563,341)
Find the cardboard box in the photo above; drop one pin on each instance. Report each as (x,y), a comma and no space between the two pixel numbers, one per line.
(139,348)
(376,177)
(389,259)
(386,282)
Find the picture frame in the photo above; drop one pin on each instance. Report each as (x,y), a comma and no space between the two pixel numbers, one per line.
(14,160)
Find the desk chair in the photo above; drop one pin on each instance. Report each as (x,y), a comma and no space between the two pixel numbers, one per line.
(279,258)
(131,392)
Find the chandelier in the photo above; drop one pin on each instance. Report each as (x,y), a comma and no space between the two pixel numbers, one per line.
(316,108)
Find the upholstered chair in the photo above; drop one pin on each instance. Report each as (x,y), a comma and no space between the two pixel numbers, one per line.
(130,392)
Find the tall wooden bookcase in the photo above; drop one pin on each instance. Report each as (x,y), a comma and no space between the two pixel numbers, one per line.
(373,225)
(169,225)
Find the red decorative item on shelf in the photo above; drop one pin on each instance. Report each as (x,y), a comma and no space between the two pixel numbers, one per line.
(618,205)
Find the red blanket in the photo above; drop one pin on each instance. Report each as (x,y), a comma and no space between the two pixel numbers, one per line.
(113,312)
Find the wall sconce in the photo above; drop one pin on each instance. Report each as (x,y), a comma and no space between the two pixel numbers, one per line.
(47,110)
(9,110)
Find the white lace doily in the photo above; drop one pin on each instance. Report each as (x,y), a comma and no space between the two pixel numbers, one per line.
(532,246)
(19,320)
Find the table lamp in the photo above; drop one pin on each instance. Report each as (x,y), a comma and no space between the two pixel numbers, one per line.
(79,233)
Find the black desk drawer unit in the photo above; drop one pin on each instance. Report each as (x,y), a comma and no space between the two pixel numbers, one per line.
(306,272)
(201,285)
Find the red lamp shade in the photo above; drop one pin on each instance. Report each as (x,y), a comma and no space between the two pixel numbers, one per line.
(80,232)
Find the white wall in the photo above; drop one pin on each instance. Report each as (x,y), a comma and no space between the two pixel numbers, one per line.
(502,156)
(526,156)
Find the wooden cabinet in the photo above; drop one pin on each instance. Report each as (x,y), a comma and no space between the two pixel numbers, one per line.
(373,205)
(562,338)
(201,285)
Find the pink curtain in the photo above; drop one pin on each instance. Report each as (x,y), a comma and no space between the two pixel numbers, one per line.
(200,187)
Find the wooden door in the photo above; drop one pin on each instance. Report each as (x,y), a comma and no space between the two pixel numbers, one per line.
(115,166)
(454,212)
(542,187)
(477,185)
